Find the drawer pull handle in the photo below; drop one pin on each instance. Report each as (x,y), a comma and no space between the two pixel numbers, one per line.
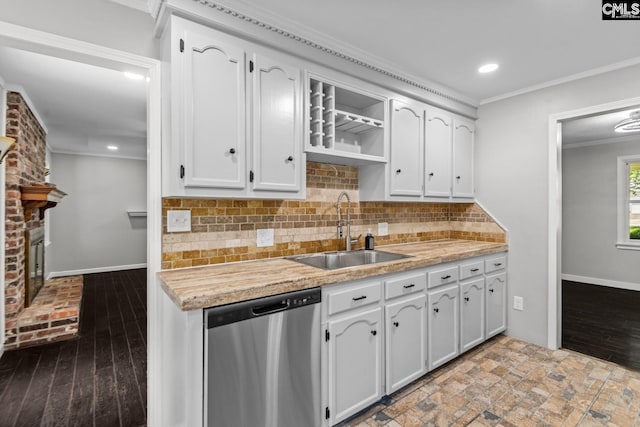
(374,332)
(396,324)
(497,264)
(409,286)
(466,299)
(490,290)
(448,276)
(359,298)
(435,310)
(473,270)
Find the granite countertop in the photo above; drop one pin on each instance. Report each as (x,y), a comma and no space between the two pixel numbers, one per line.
(208,286)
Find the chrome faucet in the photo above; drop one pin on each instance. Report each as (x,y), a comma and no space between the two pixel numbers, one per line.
(347,238)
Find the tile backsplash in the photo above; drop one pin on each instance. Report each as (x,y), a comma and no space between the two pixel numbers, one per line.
(225,230)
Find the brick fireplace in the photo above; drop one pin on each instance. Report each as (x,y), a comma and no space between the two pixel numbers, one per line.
(25,177)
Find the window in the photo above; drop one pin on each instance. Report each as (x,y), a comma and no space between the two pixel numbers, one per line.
(629,202)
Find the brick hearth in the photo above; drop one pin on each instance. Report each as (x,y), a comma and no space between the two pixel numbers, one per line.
(53,316)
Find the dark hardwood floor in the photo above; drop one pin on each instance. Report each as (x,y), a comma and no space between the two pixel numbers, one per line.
(99,379)
(602,322)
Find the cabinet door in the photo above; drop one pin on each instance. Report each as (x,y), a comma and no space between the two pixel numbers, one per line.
(471,314)
(213,112)
(437,160)
(405,342)
(463,132)
(277,125)
(407,137)
(496,292)
(355,363)
(442,308)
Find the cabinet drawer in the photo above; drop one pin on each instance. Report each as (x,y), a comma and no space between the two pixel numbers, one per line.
(495,263)
(471,269)
(353,298)
(443,276)
(405,285)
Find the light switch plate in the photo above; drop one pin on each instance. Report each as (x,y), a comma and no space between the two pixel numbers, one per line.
(518,303)
(383,229)
(178,221)
(264,237)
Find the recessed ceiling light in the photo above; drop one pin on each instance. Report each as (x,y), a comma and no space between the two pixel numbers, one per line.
(133,76)
(488,68)
(112,147)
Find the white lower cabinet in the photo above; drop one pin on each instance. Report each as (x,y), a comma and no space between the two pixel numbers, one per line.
(405,323)
(496,293)
(472,314)
(442,332)
(355,363)
(383,333)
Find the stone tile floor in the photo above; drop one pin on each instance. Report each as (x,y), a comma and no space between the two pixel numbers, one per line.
(508,382)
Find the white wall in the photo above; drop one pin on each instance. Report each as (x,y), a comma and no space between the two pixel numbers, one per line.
(512,181)
(90,228)
(589,214)
(95,21)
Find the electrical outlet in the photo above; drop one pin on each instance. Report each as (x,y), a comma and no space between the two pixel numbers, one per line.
(264,237)
(383,229)
(518,303)
(178,221)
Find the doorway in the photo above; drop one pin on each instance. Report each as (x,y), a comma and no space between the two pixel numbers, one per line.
(64,48)
(555,224)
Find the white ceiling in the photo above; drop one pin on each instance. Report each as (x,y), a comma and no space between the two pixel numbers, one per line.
(536,43)
(445,41)
(84,108)
(597,129)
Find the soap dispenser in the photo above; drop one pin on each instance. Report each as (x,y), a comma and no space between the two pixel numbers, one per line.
(368,241)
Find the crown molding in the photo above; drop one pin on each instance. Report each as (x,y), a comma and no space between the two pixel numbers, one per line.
(591,143)
(589,73)
(263,20)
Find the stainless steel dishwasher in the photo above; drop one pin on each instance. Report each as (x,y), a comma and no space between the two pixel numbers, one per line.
(262,362)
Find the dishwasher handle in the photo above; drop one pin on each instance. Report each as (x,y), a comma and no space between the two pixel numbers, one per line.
(261,310)
(251,309)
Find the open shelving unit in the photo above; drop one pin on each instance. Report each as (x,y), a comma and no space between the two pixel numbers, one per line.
(345,125)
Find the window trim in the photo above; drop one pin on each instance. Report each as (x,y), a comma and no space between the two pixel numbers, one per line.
(623,240)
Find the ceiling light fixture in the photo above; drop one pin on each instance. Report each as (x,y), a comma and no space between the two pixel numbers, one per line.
(133,76)
(488,68)
(632,124)
(112,147)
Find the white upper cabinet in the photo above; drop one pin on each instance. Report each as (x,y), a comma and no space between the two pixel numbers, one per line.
(277,125)
(463,133)
(213,134)
(407,142)
(233,104)
(437,159)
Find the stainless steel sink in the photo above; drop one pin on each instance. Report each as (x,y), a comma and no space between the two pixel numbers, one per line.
(335,260)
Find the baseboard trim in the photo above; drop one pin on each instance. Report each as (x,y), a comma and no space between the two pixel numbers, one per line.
(95,270)
(602,282)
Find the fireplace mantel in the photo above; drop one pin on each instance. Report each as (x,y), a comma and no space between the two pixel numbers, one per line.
(39,196)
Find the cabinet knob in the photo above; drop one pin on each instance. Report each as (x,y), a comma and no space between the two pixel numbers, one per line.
(396,324)
(431,174)
(491,290)
(232,151)
(290,159)
(458,177)
(398,171)
(436,310)
(466,299)
(374,332)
